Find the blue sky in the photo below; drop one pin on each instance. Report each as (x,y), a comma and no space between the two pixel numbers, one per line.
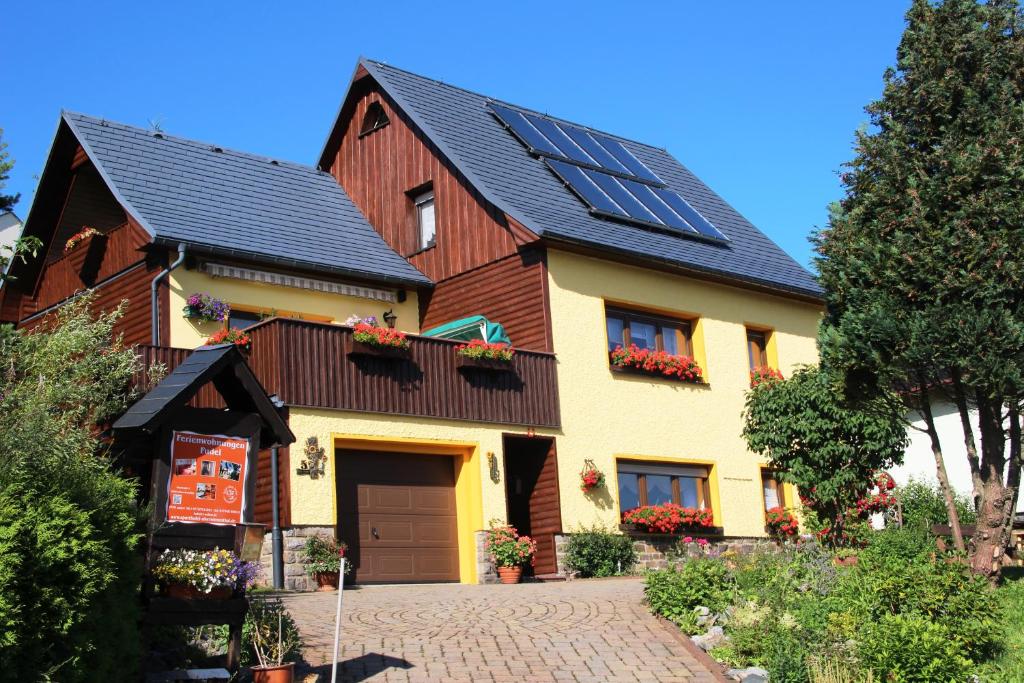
(759,99)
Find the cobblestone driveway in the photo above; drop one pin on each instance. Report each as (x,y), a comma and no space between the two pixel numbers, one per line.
(574,631)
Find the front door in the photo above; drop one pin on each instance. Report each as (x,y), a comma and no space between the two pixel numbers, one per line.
(531,489)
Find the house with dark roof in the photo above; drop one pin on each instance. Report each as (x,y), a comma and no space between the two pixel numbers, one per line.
(639,304)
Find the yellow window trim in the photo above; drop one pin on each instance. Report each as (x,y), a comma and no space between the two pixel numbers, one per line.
(771,348)
(468,491)
(716,506)
(312,317)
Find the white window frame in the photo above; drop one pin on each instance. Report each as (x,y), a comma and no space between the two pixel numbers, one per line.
(425,202)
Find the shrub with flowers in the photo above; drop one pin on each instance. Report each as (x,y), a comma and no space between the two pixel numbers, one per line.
(658,363)
(764,375)
(230,335)
(781,524)
(383,337)
(591,478)
(205,569)
(82,235)
(478,348)
(667,518)
(206,308)
(507,548)
(322,555)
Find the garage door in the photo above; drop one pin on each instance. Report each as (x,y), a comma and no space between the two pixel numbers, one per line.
(396,512)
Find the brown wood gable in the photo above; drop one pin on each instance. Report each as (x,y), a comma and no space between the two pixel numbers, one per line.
(382,171)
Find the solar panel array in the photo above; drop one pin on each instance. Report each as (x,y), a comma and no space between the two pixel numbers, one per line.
(605,175)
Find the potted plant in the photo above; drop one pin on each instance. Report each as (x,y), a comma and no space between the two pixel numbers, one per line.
(764,374)
(205,308)
(590,477)
(781,524)
(274,639)
(321,557)
(668,518)
(231,335)
(509,551)
(480,354)
(203,574)
(661,363)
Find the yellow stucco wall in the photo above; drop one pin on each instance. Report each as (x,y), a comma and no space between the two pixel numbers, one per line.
(478,498)
(608,415)
(189,334)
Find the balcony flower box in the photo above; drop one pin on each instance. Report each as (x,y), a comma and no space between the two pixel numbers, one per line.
(483,364)
(85,245)
(656,364)
(358,349)
(481,355)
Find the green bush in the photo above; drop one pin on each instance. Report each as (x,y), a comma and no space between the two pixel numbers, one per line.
(923,504)
(675,592)
(69,524)
(599,552)
(910,647)
(1008,665)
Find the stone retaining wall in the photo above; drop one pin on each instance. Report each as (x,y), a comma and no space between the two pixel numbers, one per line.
(295,577)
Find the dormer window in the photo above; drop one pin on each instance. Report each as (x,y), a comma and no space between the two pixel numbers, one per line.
(424,203)
(375,119)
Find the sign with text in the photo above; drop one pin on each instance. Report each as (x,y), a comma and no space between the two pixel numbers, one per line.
(207,482)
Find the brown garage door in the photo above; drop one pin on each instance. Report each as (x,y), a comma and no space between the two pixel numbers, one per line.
(396,512)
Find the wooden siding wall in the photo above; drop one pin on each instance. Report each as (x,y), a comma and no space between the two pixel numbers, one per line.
(121,272)
(89,203)
(379,170)
(511,291)
(208,397)
(306,364)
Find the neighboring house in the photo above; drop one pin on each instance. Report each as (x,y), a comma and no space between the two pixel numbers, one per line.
(438,204)
(10,231)
(919,462)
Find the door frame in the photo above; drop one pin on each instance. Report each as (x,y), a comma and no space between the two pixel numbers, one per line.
(468,491)
(551,452)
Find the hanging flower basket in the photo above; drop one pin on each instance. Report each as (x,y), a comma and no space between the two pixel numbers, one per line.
(657,363)
(80,238)
(591,478)
(205,308)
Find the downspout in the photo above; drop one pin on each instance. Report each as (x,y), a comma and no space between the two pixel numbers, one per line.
(154,303)
(275,530)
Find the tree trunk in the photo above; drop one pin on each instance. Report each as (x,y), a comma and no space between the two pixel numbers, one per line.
(960,398)
(1014,472)
(988,545)
(940,465)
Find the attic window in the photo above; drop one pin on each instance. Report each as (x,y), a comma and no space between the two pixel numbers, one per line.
(375,119)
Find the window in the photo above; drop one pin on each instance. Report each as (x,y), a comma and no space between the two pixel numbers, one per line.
(648,332)
(374,119)
(243,319)
(425,218)
(648,483)
(772,488)
(757,349)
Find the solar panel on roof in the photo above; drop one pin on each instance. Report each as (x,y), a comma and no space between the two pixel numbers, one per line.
(584,187)
(605,175)
(692,216)
(525,131)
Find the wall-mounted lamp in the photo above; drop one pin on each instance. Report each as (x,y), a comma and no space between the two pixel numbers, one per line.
(390,318)
(492,466)
(313,464)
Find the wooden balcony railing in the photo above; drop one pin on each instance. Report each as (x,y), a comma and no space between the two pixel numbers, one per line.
(309,364)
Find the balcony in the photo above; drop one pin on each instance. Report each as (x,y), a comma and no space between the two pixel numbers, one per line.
(308,364)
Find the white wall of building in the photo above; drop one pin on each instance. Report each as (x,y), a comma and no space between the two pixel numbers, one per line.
(919,462)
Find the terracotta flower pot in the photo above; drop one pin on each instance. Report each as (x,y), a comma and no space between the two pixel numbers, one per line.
(285,673)
(186,591)
(847,561)
(326,581)
(510,574)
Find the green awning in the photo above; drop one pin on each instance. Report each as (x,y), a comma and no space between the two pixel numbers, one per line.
(467,329)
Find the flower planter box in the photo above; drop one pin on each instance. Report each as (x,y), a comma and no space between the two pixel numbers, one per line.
(696,531)
(357,349)
(483,364)
(186,591)
(630,370)
(85,257)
